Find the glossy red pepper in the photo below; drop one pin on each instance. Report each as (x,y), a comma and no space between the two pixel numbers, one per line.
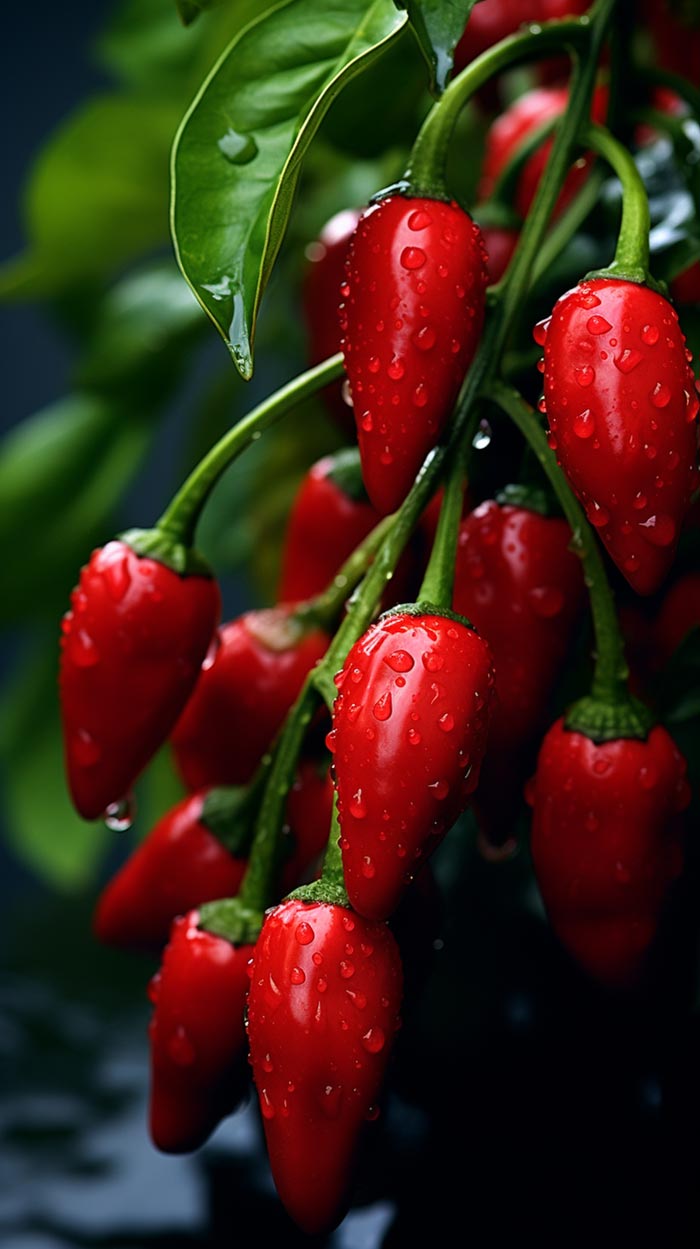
(412,312)
(606,844)
(252,674)
(515,127)
(685,288)
(409,734)
(500,244)
(331,515)
(622,406)
(131,649)
(323,279)
(179,865)
(197,1035)
(492,20)
(309,809)
(323,1009)
(522,587)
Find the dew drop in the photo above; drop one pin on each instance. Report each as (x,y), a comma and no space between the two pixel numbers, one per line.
(297,975)
(413,258)
(446,722)
(266,1107)
(374,1040)
(373,364)
(650,335)
(598,325)
(383,707)
(347,969)
(367,423)
(546,601)
(357,806)
(396,369)
(584,424)
(119,816)
(639,501)
(584,375)
(419,220)
(414,737)
(304,933)
(440,789)
(238,149)
(117,578)
(539,333)
(86,752)
(597,515)
(399,661)
(420,395)
(659,530)
(368,868)
(424,338)
(661,395)
(82,650)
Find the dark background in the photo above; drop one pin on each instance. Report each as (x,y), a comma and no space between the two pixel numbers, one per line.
(524,1103)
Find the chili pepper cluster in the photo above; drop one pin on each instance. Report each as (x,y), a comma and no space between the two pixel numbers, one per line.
(328,746)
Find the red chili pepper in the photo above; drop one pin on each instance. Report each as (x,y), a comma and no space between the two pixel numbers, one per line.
(252,674)
(323,1007)
(685,288)
(522,587)
(410,724)
(500,244)
(131,649)
(606,844)
(514,128)
(492,20)
(675,32)
(411,319)
(321,297)
(309,809)
(197,1035)
(678,615)
(331,515)
(622,406)
(180,864)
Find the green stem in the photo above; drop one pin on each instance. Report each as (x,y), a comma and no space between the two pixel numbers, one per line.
(682,87)
(326,607)
(333,859)
(438,582)
(611,672)
(181,516)
(632,252)
(428,160)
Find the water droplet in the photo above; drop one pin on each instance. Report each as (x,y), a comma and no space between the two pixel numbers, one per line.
(540,331)
(584,375)
(367,423)
(661,395)
(659,530)
(153,988)
(432,661)
(639,502)
(482,437)
(368,868)
(373,364)
(357,807)
(546,601)
(266,1107)
(414,737)
(297,976)
(372,1114)
(440,789)
(180,1048)
(424,338)
(396,369)
(348,923)
(413,258)
(399,661)
(584,424)
(650,335)
(304,933)
(117,577)
(597,515)
(119,816)
(267,1064)
(598,325)
(330,1101)
(446,722)
(321,985)
(420,395)
(385,457)
(347,969)
(601,766)
(419,220)
(239,149)
(82,650)
(374,1040)
(383,707)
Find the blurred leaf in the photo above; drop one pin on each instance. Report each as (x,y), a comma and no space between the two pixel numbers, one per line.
(97,196)
(383,107)
(61,476)
(43,828)
(140,328)
(191,9)
(238,154)
(439,26)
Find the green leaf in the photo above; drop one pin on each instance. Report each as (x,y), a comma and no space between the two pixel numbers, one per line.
(238,153)
(43,829)
(439,26)
(97,196)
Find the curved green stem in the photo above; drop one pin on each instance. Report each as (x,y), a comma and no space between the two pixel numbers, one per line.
(326,607)
(609,686)
(181,516)
(428,160)
(632,252)
(438,582)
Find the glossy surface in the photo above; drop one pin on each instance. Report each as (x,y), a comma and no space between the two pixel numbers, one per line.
(253,672)
(412,312)
(491,20)
(514,128)
(197,1035)
(500,245)
(325,525)
(409,734)
(521,586)
(622,407)
(606,844)
(321,297)
(131,648)
(308,819)
(323,1009)
(180,864)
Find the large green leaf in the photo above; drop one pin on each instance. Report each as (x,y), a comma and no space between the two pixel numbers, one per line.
(238,153)
(439,25)
(97,196)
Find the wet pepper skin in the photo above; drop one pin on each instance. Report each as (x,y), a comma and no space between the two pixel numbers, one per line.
(412,312)
(323,1007)
(252,674)
(197,1035)
(409,734)
(131,648)
(522,588)
(622,406)
(606,844)
(180,864)
(321,296)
